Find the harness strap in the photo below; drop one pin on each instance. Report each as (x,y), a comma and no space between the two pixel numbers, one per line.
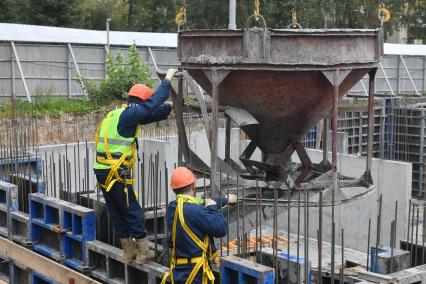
(200,262)
(113,175)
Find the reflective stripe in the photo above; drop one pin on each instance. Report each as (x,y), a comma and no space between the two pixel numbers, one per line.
(114,155)
(118,142)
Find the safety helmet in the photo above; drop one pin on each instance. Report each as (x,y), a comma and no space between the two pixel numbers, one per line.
(182,177)
(140,91)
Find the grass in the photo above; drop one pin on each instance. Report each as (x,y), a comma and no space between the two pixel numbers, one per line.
(47,104)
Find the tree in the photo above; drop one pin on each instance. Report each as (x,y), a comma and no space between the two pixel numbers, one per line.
(61,13)
(414,20)
(13,11)
(153,16)
(95,13)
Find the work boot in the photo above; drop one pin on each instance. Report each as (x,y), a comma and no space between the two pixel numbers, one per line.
(129,250)
(145,255)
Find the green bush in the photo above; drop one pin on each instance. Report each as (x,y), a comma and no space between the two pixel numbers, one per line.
(120,77)
(46,103)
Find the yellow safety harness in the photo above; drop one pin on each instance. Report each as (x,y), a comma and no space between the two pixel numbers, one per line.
(114,164)
(199,261)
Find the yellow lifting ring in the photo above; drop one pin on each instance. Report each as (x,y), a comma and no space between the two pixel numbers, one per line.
(180,17)
(384,14)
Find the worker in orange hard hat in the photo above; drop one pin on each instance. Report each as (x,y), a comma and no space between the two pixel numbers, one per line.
(193,223)
(116,153)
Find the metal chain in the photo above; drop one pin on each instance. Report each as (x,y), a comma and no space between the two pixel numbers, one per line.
(294,23)
(257,9)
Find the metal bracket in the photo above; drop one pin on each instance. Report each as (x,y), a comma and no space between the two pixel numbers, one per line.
(21,72)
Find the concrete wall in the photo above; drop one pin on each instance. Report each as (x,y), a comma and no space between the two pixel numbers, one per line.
(167,150)
(392,179)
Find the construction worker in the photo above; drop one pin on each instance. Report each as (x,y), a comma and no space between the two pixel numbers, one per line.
(116,147)
(193,223)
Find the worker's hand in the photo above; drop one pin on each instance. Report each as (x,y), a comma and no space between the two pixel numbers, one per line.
(209,202)
(170,73)
(232,199)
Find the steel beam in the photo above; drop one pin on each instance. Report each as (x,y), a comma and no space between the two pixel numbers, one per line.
(216,77)
(21,72)
(371,89)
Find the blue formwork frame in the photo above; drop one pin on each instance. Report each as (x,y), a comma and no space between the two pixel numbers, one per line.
(45,217)
(373,253)
(300,262)
(34,161)
(38,278)
(80,224)
(237,270)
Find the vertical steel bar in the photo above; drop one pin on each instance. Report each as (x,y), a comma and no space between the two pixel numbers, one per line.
(320,239)
(409,220)
(368,243)
(306,262)
(334,163)
(298,238)
(412,237)
(417,236)
(214,132)
(392,236)
(378,229)
(342,269)
(325,142)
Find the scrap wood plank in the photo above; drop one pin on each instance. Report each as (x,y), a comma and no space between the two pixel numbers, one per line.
(41,264)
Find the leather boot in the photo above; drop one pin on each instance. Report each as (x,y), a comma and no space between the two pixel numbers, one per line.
(129,250)
(145,255)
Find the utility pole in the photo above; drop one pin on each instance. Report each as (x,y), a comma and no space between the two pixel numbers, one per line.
(107,30)
(232,14)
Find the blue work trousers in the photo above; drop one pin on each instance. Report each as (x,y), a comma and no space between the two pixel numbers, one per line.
(128,221)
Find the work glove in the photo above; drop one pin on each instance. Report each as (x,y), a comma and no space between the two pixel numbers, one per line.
(232,199)
(171,73)
(209,202)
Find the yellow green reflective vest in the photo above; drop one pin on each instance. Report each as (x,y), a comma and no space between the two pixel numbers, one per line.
(117,145)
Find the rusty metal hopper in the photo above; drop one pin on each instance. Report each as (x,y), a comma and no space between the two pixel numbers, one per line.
(280,77)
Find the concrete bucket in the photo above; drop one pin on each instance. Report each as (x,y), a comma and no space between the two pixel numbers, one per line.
(276,84)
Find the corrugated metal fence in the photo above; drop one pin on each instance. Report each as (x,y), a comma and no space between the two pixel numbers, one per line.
(51,67)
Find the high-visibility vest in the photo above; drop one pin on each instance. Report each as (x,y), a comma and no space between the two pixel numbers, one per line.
(114,151)
(200,262)
(110,142)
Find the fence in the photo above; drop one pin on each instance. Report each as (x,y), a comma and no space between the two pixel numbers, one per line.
(30,68)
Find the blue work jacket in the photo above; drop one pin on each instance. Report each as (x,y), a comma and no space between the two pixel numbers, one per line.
(201,220)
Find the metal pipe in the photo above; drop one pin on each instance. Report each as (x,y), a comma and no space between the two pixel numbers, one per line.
(108,21)
(372,75)
(232,14)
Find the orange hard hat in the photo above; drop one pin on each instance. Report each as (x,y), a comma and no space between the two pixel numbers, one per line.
(140,91)
(182,177)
